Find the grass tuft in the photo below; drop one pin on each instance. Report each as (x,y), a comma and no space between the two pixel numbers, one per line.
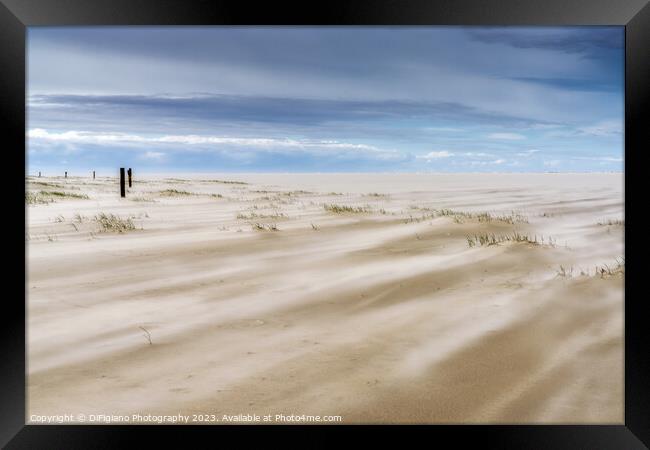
(111,222)
(33,198)
(264,227)
(612,222)
(45,197)
(62,194)
(487,239)
(142,199)
(174,193)
(46,184)
(602,271)
(225,181)
(343,209)
(252,215)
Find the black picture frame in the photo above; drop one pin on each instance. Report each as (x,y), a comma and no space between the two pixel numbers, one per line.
(16,15)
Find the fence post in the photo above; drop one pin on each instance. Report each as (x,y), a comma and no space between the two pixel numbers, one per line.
(129,172)
(39,174)
(66,174)
(122,189)
(93,174)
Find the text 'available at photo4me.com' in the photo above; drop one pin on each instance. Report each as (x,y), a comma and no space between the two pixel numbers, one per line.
(180,419)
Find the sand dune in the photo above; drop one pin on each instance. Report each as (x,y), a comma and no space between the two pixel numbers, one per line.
(385,313)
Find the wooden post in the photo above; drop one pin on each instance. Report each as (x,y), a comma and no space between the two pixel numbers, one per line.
(39,174)
(93,174)
(122,189)
(66,174)
(129,172)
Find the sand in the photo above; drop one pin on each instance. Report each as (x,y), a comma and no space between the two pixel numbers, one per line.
(386,314)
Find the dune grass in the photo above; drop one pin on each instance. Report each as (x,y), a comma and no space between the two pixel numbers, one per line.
(264,226)
(174,193)
(345,209)
(461,216)
(33,198)
(602,271)
(114,223)
(511,218)
(376,195)
(45,197)
(142,199)
(607,271)
(612,222)
(253,215)
(225,182)
(487,239)
(46,184)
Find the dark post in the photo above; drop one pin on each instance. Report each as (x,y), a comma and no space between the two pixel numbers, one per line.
(66,174)
(93,174)
(122,189)
(39,174)
(129,172)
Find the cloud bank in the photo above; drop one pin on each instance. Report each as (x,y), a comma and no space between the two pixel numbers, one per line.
(345,99)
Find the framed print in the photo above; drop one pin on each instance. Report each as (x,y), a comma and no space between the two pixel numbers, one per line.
(353,215)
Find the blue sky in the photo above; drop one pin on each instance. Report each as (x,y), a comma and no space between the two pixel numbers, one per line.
(333,99)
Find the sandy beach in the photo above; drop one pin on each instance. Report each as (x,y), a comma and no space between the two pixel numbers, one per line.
(380,298)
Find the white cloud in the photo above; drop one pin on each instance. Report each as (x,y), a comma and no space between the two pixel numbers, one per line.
(153,155)
(527,153)
(443,129)
(478,154)
(611,159)
(436,155)
(88,137)
(506,136)
(487,163)
(599,158)
(603,128)
(545,126)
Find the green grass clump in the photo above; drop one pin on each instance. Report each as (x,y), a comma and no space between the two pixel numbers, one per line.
(343,209)
(112,222)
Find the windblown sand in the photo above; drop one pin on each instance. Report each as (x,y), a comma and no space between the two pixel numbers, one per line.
(258,298)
